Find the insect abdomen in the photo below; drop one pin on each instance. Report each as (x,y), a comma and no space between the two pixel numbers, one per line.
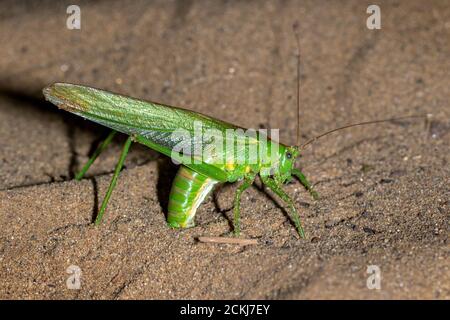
(189,189)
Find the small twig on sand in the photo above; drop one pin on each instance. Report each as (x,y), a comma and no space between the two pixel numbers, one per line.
(242,242)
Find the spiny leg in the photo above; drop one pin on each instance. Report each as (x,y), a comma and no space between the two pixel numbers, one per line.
(277,189)
(102,146)
(237,203)
(305,183)
(119,165)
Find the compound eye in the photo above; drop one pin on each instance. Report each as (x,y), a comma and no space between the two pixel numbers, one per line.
(288,155)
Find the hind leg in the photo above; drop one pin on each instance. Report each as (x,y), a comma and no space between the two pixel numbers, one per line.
(119,166)
(96,153)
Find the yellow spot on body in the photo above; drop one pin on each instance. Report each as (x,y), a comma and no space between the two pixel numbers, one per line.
(247,169)
(230,166)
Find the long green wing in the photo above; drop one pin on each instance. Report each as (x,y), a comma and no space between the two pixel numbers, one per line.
(161,127)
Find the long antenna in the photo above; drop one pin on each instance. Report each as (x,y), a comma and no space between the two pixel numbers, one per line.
(295,27)
(359,124)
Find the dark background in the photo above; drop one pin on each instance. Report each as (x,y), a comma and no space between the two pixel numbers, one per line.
(384,188)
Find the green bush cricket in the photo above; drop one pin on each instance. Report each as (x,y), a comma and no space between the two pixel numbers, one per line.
(154,125)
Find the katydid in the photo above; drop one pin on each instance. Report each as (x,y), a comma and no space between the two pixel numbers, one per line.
(154,124)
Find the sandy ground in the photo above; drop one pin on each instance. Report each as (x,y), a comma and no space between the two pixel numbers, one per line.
(384,188)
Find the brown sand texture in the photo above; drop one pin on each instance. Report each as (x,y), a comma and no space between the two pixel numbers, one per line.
(384,188)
